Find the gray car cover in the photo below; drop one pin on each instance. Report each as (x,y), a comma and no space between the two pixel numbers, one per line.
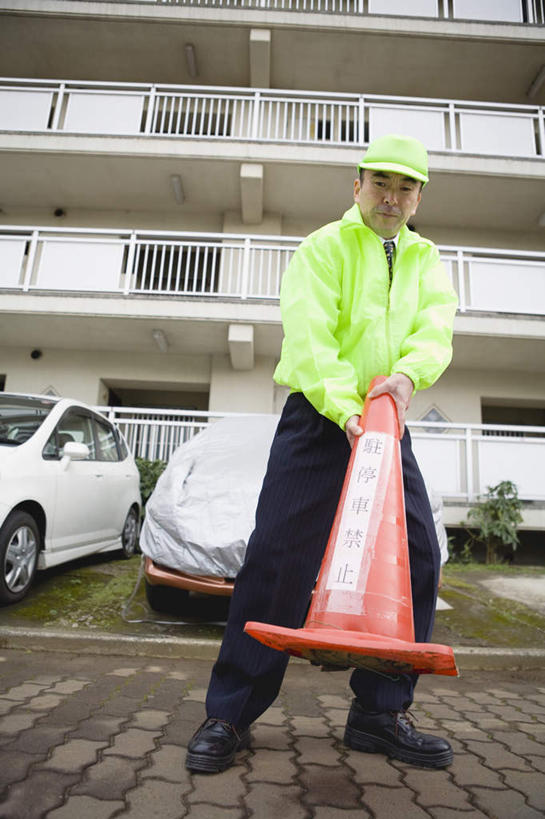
(202,511)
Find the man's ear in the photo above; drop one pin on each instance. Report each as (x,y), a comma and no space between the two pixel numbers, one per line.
(357,188)
(417,203)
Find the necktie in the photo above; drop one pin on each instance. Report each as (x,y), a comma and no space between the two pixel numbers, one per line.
(389,248)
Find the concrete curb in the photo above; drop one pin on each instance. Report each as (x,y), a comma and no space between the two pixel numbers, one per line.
(101,643)
(468,658)
(478,658)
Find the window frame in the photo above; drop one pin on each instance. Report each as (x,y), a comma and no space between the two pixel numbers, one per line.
(98,420)
(82,412)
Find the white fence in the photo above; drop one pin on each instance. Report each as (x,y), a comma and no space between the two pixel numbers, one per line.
(218,265)
(504,11)
(221,265)
(205,112)
(459,460)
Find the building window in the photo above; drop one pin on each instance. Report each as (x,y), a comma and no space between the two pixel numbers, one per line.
(517,415)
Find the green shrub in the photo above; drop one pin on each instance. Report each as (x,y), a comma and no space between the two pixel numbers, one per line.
(458,553)
(150,472)
(496,521)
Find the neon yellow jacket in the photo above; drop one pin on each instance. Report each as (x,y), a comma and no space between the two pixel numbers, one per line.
(343,325)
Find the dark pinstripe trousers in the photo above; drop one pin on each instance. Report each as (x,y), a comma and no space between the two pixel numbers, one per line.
(306,469)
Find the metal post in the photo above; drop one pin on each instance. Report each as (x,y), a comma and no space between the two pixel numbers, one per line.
(130,262)
(245,269)
(461,280)
(30,261)
(255,118)
(452,127)
(541,130)
(469,465)
(60,100)
(151,110)
(361,119)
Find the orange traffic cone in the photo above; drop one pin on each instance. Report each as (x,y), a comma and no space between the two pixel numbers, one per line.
(361,613)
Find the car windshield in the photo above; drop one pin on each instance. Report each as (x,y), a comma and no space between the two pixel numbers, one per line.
(20,417)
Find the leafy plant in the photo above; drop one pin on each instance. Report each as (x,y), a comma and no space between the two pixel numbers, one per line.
(496,520)
(459,555)
(150,472)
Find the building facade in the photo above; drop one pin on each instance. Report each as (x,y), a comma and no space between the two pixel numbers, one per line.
(160,162)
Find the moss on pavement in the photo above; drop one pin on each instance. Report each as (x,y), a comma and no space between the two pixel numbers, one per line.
(93,593)
(480,618)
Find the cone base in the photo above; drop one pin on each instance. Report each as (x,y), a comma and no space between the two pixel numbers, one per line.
(357,649)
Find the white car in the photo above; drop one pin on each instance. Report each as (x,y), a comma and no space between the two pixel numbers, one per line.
(68,487)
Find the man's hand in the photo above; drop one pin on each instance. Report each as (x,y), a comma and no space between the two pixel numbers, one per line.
(400,387)
(353,429)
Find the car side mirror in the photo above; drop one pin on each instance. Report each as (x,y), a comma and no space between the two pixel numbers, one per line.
(73,451)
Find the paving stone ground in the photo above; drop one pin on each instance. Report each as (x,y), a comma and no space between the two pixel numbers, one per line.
(91,737)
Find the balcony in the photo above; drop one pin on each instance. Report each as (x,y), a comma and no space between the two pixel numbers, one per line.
(230,266)
(459,460)
(193,112)
(314,44)
(509,11)
(116,147)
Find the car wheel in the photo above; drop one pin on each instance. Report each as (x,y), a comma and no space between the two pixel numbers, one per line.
(129,535)
(19,545)
(166,599)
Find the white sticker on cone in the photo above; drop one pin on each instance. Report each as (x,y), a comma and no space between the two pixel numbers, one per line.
(359,506)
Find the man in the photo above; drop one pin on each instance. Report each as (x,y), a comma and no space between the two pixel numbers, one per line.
(352,308)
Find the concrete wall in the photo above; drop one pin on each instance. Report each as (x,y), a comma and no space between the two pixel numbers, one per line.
(181,219)
(457,394)
(271,224)
(81,375)
(85,376)
(242,390)
(467,237)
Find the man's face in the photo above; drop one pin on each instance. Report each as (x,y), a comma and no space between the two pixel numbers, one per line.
(387,200)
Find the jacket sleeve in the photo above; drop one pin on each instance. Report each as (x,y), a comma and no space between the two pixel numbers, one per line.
(311,361)
(427,350)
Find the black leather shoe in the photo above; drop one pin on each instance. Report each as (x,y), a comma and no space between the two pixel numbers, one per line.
(393,733)
(213,747)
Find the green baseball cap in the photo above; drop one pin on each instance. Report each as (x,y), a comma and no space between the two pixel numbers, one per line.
(398,154)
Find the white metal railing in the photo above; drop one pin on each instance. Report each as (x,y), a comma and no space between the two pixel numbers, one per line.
(297,117)
(219,265)
(154,434)
(459,460)
(223,265)
(513,11)
(462,460)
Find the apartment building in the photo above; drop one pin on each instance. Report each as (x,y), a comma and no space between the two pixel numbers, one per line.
(160,161)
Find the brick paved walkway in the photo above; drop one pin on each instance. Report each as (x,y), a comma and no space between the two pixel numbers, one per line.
(87,737)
